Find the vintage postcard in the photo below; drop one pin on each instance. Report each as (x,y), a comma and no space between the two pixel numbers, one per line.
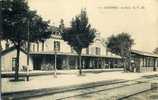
(79,49)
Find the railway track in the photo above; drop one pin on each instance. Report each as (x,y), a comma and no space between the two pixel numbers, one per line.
(102,92)
(88,90)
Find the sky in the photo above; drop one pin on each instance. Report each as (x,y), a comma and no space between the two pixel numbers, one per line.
(139,18)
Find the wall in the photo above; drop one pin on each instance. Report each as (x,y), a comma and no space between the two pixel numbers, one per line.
(65,48)
(142,63)
(147,69)
(6,60)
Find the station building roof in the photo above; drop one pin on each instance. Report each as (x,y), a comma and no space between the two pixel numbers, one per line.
(143,53)
(74,54)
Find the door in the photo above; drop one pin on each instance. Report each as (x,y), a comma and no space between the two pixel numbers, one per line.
(13,63)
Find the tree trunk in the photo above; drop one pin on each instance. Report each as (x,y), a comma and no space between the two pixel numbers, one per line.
(0,45)
(125,64)
(80,64)
(130,59)
(17,63)
(123,58)
(42,45)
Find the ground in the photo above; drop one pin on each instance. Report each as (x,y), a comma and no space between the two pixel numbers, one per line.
(48,81)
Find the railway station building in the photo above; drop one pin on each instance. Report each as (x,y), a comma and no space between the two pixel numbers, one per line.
(42,55)
(144,61)
(96,56)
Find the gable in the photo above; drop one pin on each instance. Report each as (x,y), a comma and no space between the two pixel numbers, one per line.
(10,49)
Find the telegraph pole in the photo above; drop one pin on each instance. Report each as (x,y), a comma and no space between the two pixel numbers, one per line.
(130,59)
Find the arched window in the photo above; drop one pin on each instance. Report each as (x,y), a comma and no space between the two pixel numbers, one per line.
(56,33)
(56,46)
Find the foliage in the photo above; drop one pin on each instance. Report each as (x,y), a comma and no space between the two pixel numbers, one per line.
(16,17)
(80,34)
(17,21)
(155,51)
(120,44)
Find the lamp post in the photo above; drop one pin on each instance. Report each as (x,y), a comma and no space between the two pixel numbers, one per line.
(55,59)
(55,56)
(28,48)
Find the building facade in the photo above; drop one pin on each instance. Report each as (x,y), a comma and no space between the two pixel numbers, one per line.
(144,61)
(95,56)
(8,59)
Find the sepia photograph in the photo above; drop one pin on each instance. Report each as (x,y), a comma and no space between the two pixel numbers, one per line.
(79,49)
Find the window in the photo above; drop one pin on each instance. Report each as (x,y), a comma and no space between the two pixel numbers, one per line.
(98,51)
(87,50)
(33,47)
(14,60)
(72,50)
(56,33)
(56,46)
(37,46)
(43,46)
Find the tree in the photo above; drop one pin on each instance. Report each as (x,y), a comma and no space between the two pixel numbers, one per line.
(79,35)
(19,22)
(155,51)
(121,45)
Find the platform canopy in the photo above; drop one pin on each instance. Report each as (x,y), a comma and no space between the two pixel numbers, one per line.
(74,54)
